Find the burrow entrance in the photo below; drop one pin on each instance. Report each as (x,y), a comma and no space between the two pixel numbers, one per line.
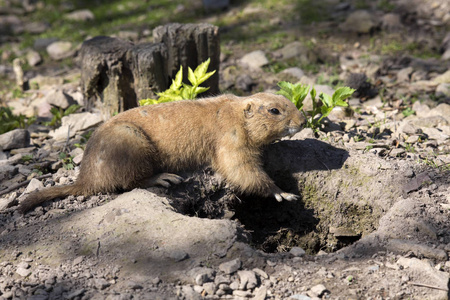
(343,197)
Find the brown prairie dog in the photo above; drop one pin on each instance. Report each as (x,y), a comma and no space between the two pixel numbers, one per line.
(146,144)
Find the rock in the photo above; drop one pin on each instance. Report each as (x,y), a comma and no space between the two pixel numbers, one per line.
(17,138)
(349,124)
(404,75)
(360,82)
(442,110)
(34,185)
(318,290)
(209,288)
(8,202)
(397,152)
(435,134)
(430,122)
(408,128)
(133,285)
(41,44)
(36,27)
(101,283)
(446,55)
(295,72)
(292,50)
(261,273)
(260,293)
(77,159)
(300,297)
(43,81)
(415,183)
(248,280)
(230,266)
(443,78)
(244,82)
(33,58)
(10,24)
(344,231)
(189,293)
(60,50)
(391,22)
(78,260)
(422,110)
(82,15)
(405,246)
(297,251)
(255,59)
(443,90)
(59,99)
(202,275)
(215,4)
(73,123)
(423,271)
(24,272)
(76,293)
(128,35)
(242,294)
(359,21)
(412,139)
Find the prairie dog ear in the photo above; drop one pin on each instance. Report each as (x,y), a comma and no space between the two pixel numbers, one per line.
(248,110)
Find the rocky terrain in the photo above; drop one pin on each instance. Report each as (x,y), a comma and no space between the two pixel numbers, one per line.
(373,219)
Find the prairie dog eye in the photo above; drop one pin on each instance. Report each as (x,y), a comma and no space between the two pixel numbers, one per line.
(274,111)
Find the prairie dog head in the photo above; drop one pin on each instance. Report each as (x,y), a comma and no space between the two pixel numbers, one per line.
(269,117)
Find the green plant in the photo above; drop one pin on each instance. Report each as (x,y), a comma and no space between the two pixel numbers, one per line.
(27,158)
(408,112)
(58,113)
(84,138)
(410,148)
(179,90)
(67,161)
(358,138)
(297,93)
(9,121)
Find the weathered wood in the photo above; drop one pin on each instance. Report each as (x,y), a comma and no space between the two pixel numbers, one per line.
(119,74)
(148,63)
(105,74)
(189,45)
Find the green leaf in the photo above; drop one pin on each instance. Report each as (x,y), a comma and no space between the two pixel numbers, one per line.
(341,103)
(313,94)
(285,94)
(325,111)
(286,87)
(205,77)
(200,89)
(192,78)
(178,80)
(147,102)
(342,93)
(326,99)
(200,71)
(187,92)
(71,109)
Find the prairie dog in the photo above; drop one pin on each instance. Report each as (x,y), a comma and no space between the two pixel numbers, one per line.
(144,145)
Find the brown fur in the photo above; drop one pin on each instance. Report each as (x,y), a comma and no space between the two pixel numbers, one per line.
(225,132)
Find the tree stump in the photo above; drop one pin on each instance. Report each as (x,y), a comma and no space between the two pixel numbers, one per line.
(105,74)
(149,69)
(119,74)
(189,45)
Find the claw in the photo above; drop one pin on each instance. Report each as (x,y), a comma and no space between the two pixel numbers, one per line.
(278,197)
(286,196)
(165,179)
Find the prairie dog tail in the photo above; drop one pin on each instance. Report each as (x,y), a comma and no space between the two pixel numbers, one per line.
(38,197)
